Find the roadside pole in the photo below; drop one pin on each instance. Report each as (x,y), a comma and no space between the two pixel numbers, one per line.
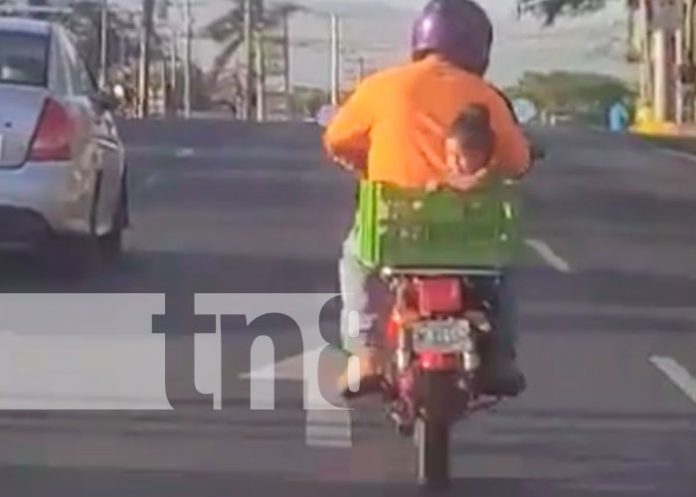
(144,80)
(187,57)
(335,59)
(260,63)
(103,62)
(249,49)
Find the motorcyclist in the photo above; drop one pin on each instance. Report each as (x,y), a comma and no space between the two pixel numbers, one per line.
(393,129)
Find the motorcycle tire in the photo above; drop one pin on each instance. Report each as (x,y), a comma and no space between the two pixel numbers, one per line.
(433,453)
(433,431)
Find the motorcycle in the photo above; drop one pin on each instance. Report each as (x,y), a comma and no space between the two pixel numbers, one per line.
(434,344)
(435,347)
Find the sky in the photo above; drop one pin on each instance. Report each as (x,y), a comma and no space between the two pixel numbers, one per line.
(378,32)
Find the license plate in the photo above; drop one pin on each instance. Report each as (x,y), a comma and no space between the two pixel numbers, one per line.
(442,336)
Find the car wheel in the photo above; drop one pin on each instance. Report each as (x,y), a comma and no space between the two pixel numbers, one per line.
(111,244)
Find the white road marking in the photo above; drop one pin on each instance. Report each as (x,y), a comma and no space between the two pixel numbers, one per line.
(183,153)
(677,153)
(330,429)
(323,428)
(547,253)
(678,374)
(289,369)
(148,182)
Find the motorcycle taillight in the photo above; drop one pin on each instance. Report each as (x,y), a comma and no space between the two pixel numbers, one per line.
(440,295)
(436,361)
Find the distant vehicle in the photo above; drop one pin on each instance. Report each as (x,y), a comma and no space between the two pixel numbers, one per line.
(525,110)
(62,163)
(325,114)
(561,117)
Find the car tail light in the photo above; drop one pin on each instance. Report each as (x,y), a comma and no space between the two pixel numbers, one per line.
(53,135)
(440,295)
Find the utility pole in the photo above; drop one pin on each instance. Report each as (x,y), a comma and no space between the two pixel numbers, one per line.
(103,63)
(661,83)
(260,64)
(335,59)
(174,56)
(165,92)
(122,43)
(249,52)
(678,87)
(187,56)
(144,86)
(361,68)
(688,84)
(286,62)
(646,75)
(666,20)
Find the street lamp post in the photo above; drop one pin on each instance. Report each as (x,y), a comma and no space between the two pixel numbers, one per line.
(335,51)
(335,59)
(249,55)
(187,56)
(104,43)
(260,63)
(173,54)
(144,76)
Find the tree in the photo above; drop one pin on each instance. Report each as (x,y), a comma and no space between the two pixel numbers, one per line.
(306,102)
(123,34)
(586,94)
(29,3)
(228,30)
(549,10)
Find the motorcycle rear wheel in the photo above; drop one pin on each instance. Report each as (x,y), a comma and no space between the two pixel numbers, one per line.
(433,430)
(433,453)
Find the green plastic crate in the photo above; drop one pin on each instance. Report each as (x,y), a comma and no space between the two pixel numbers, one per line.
(399,227)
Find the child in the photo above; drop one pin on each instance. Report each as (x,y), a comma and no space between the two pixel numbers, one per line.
(469,148)
(470,142)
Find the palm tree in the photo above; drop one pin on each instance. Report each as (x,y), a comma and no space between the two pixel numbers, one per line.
(228,30)
(123,37)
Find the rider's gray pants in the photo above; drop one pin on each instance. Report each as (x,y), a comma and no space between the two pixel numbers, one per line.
(367,303)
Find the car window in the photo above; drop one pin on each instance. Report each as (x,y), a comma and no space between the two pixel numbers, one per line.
(81,80)
(87,84)
(24,59)
(58,68)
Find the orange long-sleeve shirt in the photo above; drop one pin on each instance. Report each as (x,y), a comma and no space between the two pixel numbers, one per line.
(397,120)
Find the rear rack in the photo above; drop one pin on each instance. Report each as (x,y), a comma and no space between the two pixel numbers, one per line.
(387,272)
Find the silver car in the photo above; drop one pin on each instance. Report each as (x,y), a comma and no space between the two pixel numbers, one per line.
(62,163)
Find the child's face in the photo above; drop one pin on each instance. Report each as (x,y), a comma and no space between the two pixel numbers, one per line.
(463,161)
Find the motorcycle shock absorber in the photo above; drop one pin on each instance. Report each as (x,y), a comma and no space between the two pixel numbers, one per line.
(404,350)
(403,353)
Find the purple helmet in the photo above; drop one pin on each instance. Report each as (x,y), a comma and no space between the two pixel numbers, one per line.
(458,30)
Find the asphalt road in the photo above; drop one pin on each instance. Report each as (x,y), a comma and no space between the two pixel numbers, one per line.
(607,319)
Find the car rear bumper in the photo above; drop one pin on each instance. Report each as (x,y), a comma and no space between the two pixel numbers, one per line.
(37,200)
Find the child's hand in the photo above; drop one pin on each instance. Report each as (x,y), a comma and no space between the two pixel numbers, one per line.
(343,162)
(431,186)
(466,182)
(352,164)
